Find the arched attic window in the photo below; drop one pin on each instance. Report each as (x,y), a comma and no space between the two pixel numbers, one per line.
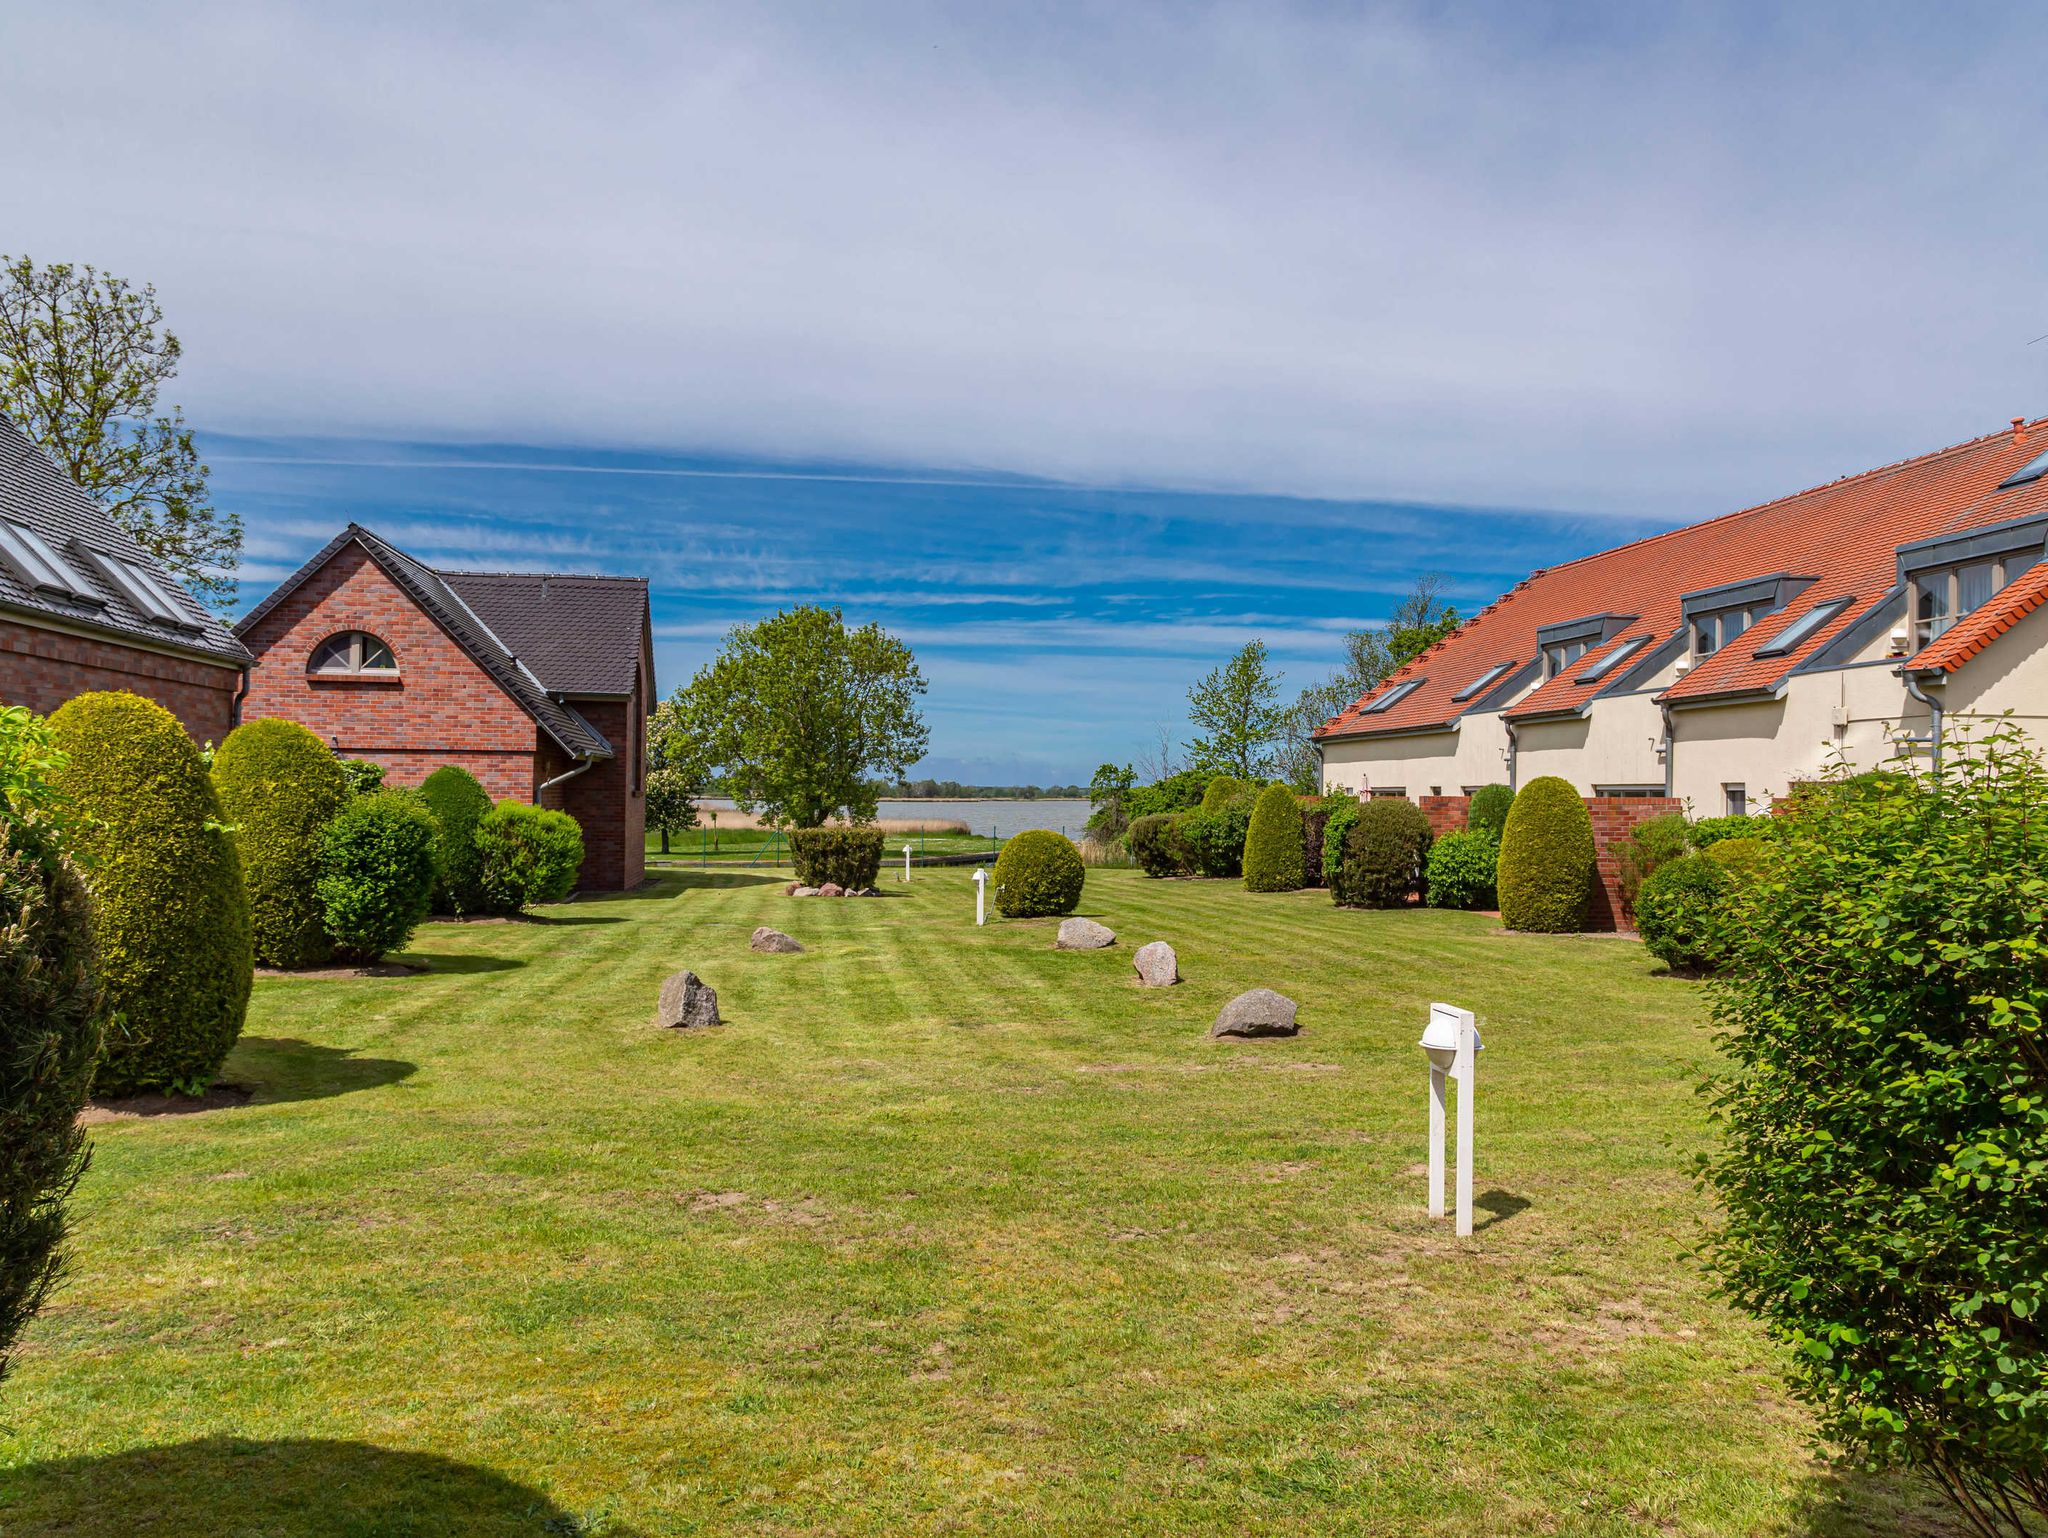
(353,654)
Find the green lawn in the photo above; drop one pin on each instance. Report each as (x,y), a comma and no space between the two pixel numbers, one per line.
(943,1232)
(762,846)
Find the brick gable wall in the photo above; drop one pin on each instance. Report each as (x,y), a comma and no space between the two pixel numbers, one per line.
(1613,818)
(43,668)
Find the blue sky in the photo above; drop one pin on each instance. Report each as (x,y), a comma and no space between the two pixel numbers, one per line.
(1319,288)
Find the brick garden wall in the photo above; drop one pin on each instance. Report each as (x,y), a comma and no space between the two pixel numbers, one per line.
(1613,818)
(43,668)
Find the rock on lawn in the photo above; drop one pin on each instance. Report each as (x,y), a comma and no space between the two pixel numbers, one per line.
(686,1002)
(1261,1012)
(1083,935)
(1157,965)
(766,939)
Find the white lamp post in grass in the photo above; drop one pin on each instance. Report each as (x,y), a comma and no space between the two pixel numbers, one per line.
(906,862)
(1452,1042)
(981,894)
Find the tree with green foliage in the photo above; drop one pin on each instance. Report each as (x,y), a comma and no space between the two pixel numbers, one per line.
(1236,712)
(1883,1165)
(1487,812)
(1109,795)
(1039,874)
(1272,842)
(1546,859)
(459,802)
(83,358)
(171,913)
(279,785)
(379,860)
(799,713)
(676,774)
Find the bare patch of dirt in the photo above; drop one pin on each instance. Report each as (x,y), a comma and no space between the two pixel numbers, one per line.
(222,1097)
(374,969)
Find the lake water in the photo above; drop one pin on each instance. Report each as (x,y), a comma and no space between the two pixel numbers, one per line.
(1004,817)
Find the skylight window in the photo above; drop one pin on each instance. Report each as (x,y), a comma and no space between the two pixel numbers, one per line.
(1613,660)
(2032,470)
(1800,629)
(1484,681)
(142,590)
(1392,697)
(40,566)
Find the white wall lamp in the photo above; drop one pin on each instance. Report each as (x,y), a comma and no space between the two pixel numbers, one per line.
(1452,1042)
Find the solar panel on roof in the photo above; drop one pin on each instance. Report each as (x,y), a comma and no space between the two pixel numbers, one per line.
(2032,470)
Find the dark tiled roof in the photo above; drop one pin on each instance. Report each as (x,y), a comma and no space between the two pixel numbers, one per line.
(39,496)
(1844,535)
(553,651)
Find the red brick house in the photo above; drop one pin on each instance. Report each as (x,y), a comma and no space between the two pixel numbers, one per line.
(538,684)
(84,607)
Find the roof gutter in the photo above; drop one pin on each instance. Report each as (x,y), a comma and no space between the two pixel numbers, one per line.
(562,779)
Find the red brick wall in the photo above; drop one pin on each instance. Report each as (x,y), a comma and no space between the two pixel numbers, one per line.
(43,668)
(1613,817)
(608,800)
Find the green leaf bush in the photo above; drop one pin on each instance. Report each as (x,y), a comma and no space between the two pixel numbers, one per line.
(1176,793)
(527,855)
(1221,790)
(1744,859)
(1316,812)
(379,860)
(1883,1162)
(362,774)
(1487,812)
(1215,840)
(1463,868)
(851,857)
(279,785)
(1335,830)
(171,914)
(459,802)
(1272,842)
(1546,859)
(1681,912)
(1650,843)
(1155,844)
(1039,873)
(1709,831)
(1385,854)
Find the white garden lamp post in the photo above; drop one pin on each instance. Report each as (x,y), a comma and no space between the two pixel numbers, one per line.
(981,894)
(1452,1042)
(906,862)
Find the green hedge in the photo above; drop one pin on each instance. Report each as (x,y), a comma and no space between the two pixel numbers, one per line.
(526,855)
(459,802)
(848,857)
(1038,873)
(379,859)
(1487,812)
(1385,853)
(1463,868)
(362,774)
(1680,910)
(1546,859)
(1272,842)
(1214,841)
(1709,831)
(172,914)
(1650,843)
(1155,844)
(1343,816)
(279,785)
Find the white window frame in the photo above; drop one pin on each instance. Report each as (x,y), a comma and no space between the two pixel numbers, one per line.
(356,648)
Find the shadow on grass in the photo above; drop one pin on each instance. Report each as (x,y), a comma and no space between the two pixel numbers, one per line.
(1847,1503)
(1498,1206)
(673,881)
(282,1489)
(435,961)
(283,1068)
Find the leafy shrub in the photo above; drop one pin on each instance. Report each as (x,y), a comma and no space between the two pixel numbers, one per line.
(1384,854)
(1650,843)
(379,859)
(1487,812)
(1681,912)
(1338,828)
(1176,793)
(30,799)
(1744,859)
(1272,842)
(1038,873)
(1215,840)
(362,775)
(1316,812)
(529,855)
(1462,870)
(1221,790)
(1709,831)
(1883,1167)
(278,785)
(1546,859)
(50,1020)
(1155,843)
(851,857)
(459,802)
(171,915)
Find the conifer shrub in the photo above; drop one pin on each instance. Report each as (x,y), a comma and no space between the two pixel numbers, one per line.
(1155,844)
(278,786)
(529,855)
(1335,830)
(1462,870)
(1385,853)
(459,802)
(379,860)
(1681,911)
(850,857)
(1272,842)
(171,912)
(1039,873)
(1221,790)
(1546,859)
(1487,811)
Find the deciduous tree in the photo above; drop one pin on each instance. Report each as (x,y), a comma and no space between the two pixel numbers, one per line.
(1237,713)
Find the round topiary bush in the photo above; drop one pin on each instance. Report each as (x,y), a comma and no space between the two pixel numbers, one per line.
(171,911)
(278,785)
(1487,812)
(459,802)
(528,855)
(1546,859)
(1221,790)
(1462,870)
(1038,873)
(1155,844)
(1679,912)
(1272,842)
(1384,854)
(379,859)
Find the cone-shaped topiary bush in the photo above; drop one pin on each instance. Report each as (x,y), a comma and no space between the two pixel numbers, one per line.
(1272,842)
(171,912)
(529,855)
(278,785)
(458,803)
(1546,859)
(1038,873)
(1487,811)
(1385,851)
(379,859)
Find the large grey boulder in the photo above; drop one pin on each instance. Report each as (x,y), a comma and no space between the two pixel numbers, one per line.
(686,1002)
(1083,935)
(1157,965)
(766,939)
(1261,1012)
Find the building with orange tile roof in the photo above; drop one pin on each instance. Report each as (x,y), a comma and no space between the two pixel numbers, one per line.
(1726,662)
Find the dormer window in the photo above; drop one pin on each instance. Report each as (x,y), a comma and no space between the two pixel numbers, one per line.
(1940,598)
(353,654)
(1557,658)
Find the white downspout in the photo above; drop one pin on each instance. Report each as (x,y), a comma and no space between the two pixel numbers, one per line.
(562,779)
